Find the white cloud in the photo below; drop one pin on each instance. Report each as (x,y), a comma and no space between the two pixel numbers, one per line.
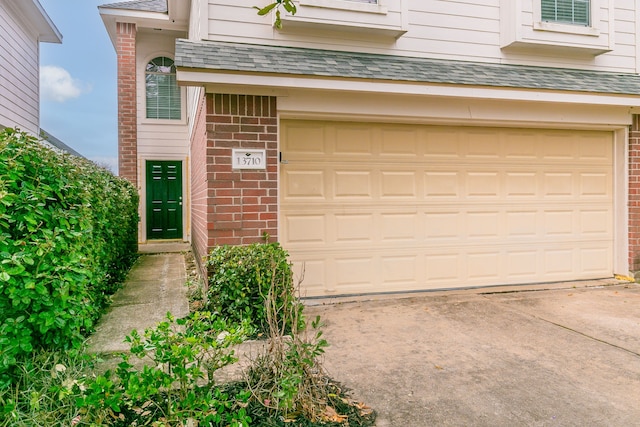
(56,84)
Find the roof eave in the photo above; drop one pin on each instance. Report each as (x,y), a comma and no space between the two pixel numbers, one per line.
(236,63)
(33,13)
(143,19)
(272,83)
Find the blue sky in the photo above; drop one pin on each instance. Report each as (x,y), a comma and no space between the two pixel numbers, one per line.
(78,99)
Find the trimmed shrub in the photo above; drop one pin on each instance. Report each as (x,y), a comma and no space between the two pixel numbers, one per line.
(240,278)
(68,235)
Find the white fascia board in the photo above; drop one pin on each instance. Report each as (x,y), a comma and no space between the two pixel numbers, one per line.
(49,32)
(142,19)
(34,14)
(134,15)
(404,88)
(109,23)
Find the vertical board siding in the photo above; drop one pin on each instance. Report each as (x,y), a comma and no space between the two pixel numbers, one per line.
(446,29)
(19,74)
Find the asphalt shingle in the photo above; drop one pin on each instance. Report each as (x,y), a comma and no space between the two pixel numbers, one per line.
(141,5)
(224,56)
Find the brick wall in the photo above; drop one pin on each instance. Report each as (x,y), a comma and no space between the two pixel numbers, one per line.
(127,114)
(199,187)
(634,195)
(241,205)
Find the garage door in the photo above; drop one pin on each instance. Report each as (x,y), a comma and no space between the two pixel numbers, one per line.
(382,208)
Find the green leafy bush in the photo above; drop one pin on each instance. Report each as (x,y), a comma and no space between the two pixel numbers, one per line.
(240,278)
(177,381)
(68,235)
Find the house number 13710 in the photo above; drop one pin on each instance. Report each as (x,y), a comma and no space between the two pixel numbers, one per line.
(248,159)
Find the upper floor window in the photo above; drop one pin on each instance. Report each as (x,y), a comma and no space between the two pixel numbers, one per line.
(575,12)
(163,93)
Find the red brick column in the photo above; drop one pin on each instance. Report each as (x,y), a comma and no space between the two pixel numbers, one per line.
(242,204)
(634,195)
(127,113)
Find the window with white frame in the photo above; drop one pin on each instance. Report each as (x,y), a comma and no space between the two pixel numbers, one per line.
(573,12)
(581,27)
(162,91)
(380,18)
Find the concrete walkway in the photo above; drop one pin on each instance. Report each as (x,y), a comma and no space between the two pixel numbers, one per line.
(155,285)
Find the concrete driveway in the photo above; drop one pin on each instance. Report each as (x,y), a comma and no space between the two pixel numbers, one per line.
(568,356)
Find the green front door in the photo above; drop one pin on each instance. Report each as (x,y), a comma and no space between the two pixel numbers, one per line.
(164,200)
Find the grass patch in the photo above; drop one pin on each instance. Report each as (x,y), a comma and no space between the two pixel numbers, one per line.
(45,389)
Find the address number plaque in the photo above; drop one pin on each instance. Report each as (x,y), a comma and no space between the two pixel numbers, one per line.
(249,159)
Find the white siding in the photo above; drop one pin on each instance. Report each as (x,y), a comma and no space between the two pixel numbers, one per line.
(447,29)
(158,139)
(198,20)
(19,73)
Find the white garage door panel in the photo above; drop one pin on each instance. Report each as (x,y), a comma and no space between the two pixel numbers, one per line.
(379,208)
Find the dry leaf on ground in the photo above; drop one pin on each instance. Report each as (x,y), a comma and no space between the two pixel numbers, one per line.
(330,414)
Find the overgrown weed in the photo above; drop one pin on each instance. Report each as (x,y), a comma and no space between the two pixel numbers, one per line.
(45,390)
(287,378)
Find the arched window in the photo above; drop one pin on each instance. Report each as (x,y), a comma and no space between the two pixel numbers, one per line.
(163,93)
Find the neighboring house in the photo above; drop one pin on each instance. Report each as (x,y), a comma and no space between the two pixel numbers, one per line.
(24,24)
(390,145)
(55,142)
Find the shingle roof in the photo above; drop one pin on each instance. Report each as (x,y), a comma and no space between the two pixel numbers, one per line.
(141,5)
(223,56)
(57,143)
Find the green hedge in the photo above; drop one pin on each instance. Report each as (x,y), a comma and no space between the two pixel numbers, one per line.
(68,235)
(240,277)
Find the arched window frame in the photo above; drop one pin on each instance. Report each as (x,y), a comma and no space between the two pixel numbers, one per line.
(162,93)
